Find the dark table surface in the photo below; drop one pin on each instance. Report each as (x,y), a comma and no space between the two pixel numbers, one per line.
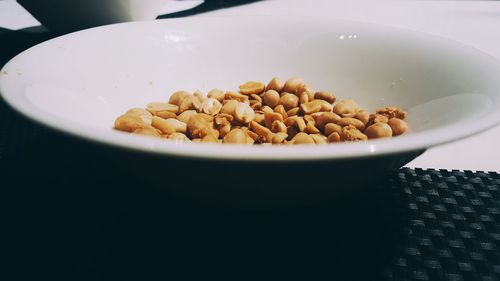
(70,213)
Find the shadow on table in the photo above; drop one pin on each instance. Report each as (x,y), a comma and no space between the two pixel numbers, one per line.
(73,215)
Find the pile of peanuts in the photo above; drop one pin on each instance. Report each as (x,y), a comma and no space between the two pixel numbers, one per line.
(276,113)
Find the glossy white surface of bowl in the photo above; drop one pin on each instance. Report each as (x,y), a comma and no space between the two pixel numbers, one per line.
(79,83)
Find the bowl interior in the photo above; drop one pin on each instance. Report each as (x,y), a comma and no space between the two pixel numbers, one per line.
(81,82)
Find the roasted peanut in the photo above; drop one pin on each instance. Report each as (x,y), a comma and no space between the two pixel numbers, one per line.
(186,116)
(145,115)
(310,107)
(346,108)
(129,123)
(252,87)
(189,103)
(279,138)
(334,137)
(303,97)
(271,98)
(209,138)
(207,117)
(289,101)
(270,117)
(165,114)
(256,97)
(255,105)
(318,139)
(262,131)
(278,127)
(311,129)
(229,107)
(260,118)
(275,84)
(306,88)
(293,111)
(311,95)
(281,110)
(198,126)
(392,112)
(177,97)
(326,96)
(296,121)
(309,118)
(211,106)
(223,119)
(378,130)
(250,140)
(325,118)
(155,107)
(252,135)
(224,129)
(332,128)
(300,123)
(346,121)
(292,85)
(315,115)
(266,108)
(362,116)
(216,94)
(162,125)
(244,113)
(325,106)
(303,138)
(214,132)
(179,126)
(376,118)
(398,126)
(147,131)
(235,96)
(200,96)
(350,133)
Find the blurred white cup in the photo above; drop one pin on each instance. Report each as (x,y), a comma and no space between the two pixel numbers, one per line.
(62,16)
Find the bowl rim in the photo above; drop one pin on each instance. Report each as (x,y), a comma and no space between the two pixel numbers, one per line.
(406,143)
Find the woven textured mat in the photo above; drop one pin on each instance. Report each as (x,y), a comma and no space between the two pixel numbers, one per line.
(453,226)
(71,217)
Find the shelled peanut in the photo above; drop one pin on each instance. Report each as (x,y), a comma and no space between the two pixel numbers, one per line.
(276,113)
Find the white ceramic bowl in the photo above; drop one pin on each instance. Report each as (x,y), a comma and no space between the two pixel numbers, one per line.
(80,82)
